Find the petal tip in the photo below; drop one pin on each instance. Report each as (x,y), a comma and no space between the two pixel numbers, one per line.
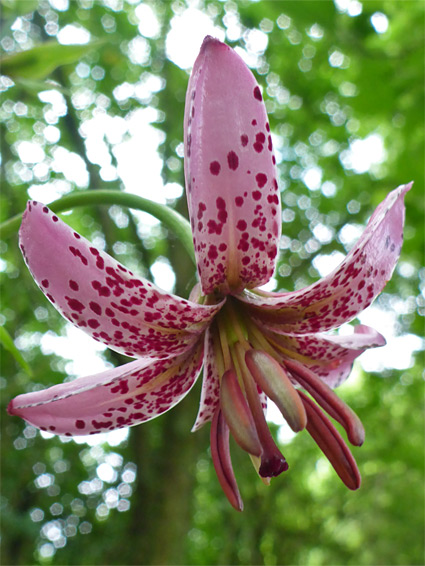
(209,41)
(11,409)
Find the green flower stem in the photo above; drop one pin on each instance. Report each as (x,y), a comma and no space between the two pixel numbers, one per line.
(172,219)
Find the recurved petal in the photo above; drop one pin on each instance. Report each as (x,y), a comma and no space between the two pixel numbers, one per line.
(210,393)
(99,295)
(231,184)
(120,397)
(349,289)
(329,357)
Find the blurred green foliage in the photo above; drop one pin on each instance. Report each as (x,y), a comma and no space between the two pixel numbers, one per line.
(332,74)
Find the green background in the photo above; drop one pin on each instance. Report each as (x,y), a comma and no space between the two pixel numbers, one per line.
(164,504)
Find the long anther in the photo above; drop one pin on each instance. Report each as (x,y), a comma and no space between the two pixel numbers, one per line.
(220,452)
(238,415)
(274,381)
(328,400)
(272,461)
(331,443)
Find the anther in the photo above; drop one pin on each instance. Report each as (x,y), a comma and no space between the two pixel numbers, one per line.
(328,400)
(273,462)
(220,452)
(331,443)
(274,381)
(238,415)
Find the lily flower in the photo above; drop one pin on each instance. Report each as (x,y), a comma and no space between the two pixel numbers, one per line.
(252,345)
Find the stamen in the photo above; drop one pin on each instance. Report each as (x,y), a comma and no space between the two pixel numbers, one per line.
(331,443)
(238,415)
(272,461)
(235,322)
(257,338)
(328,400)
(217,348)
(224,343)
(273,380)
(219,439)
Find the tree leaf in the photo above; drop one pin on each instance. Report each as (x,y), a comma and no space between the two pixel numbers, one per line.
(19,7)
(41,60)
(33,87)
(7,342)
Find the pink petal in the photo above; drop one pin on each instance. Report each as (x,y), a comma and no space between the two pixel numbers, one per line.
(329,357)
(210,394)
(120,397)
(349,289)
(232,191)
(97,294)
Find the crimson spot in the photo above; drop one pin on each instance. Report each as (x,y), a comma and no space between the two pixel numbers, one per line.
(215,167)
(257,93)
(261,179)
(232,160)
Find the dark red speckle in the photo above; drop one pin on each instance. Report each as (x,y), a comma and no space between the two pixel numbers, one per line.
(215,167)
(273,199)
(95,307)
(257,93)
(261,179)
(75,305)
(258,147)
(220,203)
(212,252)
(232,160)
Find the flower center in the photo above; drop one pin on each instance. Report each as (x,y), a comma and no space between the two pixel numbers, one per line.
(247,376)
(253,368)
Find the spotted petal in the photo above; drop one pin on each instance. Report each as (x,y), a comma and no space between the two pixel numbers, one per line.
(329,357)
(349,289)
(123,396)
(231,185)
(99,295)
(210,393)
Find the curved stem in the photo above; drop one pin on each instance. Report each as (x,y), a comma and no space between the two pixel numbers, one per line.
(172,219)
